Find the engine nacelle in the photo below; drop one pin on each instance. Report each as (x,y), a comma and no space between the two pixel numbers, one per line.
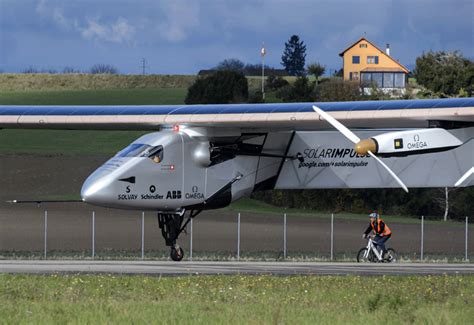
(202,154)
(404,143)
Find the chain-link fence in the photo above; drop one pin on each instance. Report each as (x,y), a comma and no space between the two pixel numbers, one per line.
(78,232)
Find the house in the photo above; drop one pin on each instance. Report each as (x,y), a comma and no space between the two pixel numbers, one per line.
(365,62)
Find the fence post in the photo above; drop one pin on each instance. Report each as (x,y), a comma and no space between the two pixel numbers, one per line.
(143,235)
(93,234)
(332,236)
(191,242)
(422,236)
(45,232)
(284,236)
(238,237)
(465,251)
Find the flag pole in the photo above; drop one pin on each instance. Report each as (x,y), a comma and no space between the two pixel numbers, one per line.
(262,53)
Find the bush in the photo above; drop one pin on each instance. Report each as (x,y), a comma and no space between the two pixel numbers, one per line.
(256,97)
(444,72)
(231,65)
(31,70)
(302,90)
(276,82)
(103,69)
(222,87)
(338,90)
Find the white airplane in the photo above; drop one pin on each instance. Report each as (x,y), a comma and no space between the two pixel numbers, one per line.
(206,156)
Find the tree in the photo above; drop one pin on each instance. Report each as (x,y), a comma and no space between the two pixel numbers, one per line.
(338,90)
(69,69)
(316,69)
(102,68)
(339,73)
(443,200)
(222,87)
(294,56)
(31,69)
(302,90)
(231,65)
(444,72)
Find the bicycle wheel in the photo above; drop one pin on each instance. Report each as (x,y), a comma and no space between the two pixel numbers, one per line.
(390,256)
(361,256)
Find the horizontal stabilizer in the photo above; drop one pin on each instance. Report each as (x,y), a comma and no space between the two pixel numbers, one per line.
(45,201)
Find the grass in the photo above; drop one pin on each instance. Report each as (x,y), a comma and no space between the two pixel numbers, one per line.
(48,82)
(236,299)
(65,143)
(255,206)
(44,81)
(138,96)
(230,256)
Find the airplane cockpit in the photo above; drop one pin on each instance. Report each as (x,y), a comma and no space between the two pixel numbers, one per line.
(155,153)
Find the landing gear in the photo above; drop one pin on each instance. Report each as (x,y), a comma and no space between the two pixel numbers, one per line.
(171,225)
(176,254)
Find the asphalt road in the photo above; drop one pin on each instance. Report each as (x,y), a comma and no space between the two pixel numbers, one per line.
(229,268)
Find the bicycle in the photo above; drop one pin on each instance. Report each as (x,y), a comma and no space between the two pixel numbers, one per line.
(370,254)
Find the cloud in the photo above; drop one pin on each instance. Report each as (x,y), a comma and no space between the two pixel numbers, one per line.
(119,31)
(180,18)
(43,9)
(193,34)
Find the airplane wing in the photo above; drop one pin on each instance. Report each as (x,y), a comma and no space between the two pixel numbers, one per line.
(300,116)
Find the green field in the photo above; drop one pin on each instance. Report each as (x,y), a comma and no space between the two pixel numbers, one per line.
(47,142)
(138,96)
(236,299)
(78,81)
(256,206)
(65,143)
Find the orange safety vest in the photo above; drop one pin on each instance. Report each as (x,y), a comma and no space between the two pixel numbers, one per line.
(377,228)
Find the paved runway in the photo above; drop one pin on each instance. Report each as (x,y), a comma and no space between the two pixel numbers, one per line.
(167,268)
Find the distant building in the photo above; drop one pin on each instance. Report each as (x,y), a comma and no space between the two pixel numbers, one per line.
(370,65)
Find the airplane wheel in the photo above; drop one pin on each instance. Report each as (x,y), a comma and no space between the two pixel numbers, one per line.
(176,254)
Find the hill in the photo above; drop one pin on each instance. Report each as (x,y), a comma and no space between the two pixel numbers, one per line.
(77,81)
(44,81)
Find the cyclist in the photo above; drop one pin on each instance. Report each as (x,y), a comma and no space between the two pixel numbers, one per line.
(381,230)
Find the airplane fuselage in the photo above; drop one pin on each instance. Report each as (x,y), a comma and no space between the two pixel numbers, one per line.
(172,171)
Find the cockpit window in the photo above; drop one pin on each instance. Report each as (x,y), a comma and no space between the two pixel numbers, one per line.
(133,150)
(154,153)
(143,150)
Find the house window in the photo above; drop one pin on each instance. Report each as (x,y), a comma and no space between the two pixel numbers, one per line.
(366,78)
(399,81)
(377,79)
(372,60)
(353,75)
(388,80)
(355,59)
(363,45)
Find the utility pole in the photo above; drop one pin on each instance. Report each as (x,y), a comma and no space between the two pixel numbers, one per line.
(262,53)
(143,66)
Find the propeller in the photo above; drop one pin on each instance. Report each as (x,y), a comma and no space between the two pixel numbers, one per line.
(355,139)
(464,177)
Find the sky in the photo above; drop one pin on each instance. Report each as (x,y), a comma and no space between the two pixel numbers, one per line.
(183,37)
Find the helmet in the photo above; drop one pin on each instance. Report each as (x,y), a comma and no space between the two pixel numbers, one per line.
(374,215)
